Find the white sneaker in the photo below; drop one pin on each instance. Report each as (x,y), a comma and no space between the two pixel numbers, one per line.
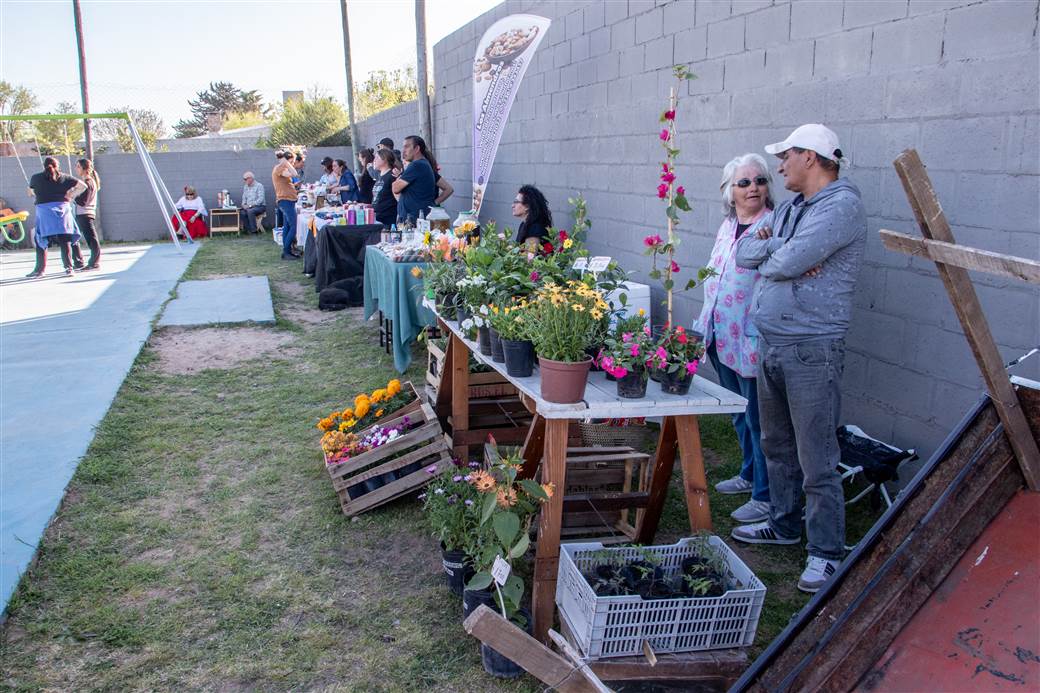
(817,571)
(737,484)
(752,511)
(760,533)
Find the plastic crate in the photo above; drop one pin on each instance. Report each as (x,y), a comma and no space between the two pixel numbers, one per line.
(617,626)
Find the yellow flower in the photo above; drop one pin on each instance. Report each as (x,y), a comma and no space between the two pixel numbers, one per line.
(416,272)
(577,307)
(426,238)
(596,313)
(568,243)
(343,426)
(482,481)
(506,498)
(642,312)
(350,423)
(378,396)
(379,412)
(393,387)
(357,402)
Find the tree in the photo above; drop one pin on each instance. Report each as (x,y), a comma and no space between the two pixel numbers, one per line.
(308,121)
(16,101)
(384,89)
(58,137)
(149,125)
(220,97)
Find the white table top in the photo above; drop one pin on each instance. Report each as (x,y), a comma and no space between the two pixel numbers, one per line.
(601,400)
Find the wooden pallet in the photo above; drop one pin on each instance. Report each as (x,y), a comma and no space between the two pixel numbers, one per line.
(481,385)
(399,467)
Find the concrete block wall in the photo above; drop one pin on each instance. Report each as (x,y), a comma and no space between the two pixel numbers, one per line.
(956,79)
(128,210)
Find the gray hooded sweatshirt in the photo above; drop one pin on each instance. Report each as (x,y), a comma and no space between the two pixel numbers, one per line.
(828,230)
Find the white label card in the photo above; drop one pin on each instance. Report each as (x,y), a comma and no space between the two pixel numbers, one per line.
(580,264)
(500,571)
(422,226)
(599,263)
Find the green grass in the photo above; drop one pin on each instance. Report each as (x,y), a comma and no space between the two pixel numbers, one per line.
(200,545)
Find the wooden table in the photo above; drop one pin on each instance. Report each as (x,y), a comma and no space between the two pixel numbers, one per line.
(224,220)
(546,444)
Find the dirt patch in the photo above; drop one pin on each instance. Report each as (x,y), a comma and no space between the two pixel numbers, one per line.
(184,351)
(303,302)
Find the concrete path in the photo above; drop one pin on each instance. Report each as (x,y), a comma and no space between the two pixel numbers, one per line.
(66,344)
(231,300)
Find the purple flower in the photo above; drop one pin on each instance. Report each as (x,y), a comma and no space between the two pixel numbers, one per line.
(468,502)
(474,464)
(432,469)
(457,478)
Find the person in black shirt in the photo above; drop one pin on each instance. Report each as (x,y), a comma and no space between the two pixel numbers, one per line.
(366,182)
(383,201)
(416,187)
(531,208)
(55,217)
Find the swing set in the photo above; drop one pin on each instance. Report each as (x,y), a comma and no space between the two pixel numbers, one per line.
(11,223)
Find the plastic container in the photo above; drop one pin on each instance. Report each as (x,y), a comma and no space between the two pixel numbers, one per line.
(439,219)
(617,626)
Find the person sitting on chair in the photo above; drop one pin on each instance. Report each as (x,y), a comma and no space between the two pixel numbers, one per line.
(253,202)
(192,214)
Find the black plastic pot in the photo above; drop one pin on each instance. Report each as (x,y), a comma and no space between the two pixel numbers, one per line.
(457,570)
(497,354)
(633,385)
(463,314)
(640,576)
(446,305)
(356,491)
(677,383)
(407,469)
(593,353)
(497,664)
(471,599)
(519,357)
(484,340)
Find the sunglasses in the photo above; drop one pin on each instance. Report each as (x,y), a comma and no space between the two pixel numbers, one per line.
(746,182)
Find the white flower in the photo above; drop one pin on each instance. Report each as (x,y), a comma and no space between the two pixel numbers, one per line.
(439,491)
(393,434)
(484,310)
(467,323)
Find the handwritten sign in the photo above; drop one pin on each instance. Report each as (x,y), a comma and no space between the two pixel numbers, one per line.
(500,571)
(599,263)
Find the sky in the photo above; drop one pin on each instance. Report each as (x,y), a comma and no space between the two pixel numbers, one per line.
(157,54)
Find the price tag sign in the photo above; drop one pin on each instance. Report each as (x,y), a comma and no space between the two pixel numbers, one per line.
(580,264)
(500,571)
(422,226)
(599,263)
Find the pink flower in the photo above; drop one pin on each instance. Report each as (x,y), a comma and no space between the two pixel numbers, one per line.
(662,190)
(563,235)
(627,337)
(653,241)
(665,135)
(646,329)
(675,267)
(635,350)
(661,354)
(691,367)
(668,177)
(606,363)
(530,256)
(682,338)
(619,372)
(665,168)
(680,190)
(669,115)
(535,276)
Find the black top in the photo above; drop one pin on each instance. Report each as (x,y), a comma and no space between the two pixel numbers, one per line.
(741,228)
(383,201)
(47,190)
(532,230)
(366,184)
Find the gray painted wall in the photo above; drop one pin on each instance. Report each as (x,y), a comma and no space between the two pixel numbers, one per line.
(128,211)
(956,79)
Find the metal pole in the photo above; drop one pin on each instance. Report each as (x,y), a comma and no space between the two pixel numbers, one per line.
(83,77)
(152,175)
(355,144)
(421,74)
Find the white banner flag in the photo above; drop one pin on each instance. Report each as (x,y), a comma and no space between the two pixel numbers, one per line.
(503,55)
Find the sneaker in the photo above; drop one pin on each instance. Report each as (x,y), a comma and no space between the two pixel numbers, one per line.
(817,571)
(737,484)
(760,533)
(69,272)
(752,511)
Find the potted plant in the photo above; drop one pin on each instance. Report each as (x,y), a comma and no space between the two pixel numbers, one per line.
(447,504)
(675,357)
(510,322)
(563,318)
(625,355)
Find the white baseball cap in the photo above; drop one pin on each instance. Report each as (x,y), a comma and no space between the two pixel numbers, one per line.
(819,138)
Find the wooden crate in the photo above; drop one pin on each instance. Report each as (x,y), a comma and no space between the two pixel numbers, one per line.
(481,385)
(223,221)
(399,466)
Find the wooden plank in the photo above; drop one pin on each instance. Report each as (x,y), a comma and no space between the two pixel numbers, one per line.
(536,659)
(414,437)
(714,670)
(435,448)
(664,460)
(459,394)
(547,553)
(932,220)
(575,657)
(1000,264)
(617,500)
(393,490)
(695,482)
(534,444)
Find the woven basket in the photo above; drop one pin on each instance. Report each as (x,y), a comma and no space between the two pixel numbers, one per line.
(634,435)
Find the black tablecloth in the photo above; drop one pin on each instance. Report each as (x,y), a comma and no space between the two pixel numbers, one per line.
(339,252)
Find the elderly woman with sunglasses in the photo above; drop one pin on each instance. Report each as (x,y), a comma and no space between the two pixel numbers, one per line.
(730,336)
(191,213)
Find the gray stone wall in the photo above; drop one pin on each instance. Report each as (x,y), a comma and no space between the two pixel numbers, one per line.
(956,79)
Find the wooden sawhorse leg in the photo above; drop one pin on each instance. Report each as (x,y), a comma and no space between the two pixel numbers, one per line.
(684,431)
(547,553)
(459,372)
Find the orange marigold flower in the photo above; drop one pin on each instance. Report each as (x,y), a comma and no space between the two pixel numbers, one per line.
(549,488)
(347,413)
(379,395)
(506,497)
(361,409)
(379,412)
(359,399)
(482,481)
(393,387)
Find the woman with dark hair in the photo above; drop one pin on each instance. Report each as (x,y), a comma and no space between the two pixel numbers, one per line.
(531,208)
(347,186)
(86,211)
(366,157)
(55,218)
(384,203)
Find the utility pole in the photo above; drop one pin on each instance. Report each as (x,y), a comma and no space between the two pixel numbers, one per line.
(420,72)
(83,77)
(355,144)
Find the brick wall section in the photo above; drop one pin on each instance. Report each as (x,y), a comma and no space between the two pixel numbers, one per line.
(957,79)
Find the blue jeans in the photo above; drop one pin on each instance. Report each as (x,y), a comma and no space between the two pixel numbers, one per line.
(288,210)
(799,399)
(749,433)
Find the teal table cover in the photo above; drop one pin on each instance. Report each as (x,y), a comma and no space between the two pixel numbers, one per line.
(391,288)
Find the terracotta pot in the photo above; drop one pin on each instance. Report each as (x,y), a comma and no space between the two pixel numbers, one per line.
(563,382)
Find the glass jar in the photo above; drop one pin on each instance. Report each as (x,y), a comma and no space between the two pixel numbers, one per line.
(439,219)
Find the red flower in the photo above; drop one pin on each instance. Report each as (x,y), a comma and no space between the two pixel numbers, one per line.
(669,115)
(665,168)
(547,247)
(675,267)
(662,190)
(668,177)
(653,241)
(681,190)
(563,235)
(665,135)
(682,338)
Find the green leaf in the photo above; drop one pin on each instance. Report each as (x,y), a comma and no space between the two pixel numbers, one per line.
(507,525)
(489,508)
(690,75)
(534,489)
(691,284)
(655,274)
(513,590)
(479,581)
(668,284)
(682,203)
(521,546)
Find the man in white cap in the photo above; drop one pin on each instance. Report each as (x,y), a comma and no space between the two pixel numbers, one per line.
(253,202)
(801,308)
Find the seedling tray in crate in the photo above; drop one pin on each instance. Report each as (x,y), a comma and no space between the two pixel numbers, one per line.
(617,626)
(395,468)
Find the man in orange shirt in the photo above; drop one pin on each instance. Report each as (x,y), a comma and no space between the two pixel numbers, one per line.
(284,177)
